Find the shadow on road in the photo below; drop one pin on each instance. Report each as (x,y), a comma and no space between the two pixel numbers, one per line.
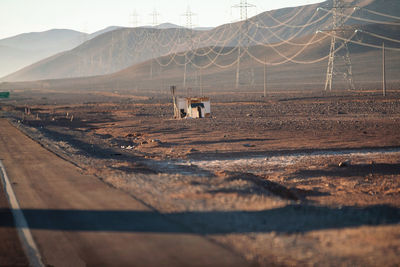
(292,218)
(351,171)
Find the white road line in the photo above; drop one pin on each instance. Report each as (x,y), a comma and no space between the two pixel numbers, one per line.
(24,233)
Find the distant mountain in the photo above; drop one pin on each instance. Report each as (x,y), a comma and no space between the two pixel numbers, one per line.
(138,79)
(107,53)
(24,49)
(108,29)
(12,59)
(51,40)
(124,47)
(168,26)
(203,28)
(174,26)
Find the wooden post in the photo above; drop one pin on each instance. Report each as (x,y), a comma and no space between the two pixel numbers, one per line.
(173,89)
(151,68)
(383,70)
(265,77)
(201,83)
(184,72)
(238,67)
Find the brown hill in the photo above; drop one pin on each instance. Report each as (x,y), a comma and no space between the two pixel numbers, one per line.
(25,49)
(154,76)
(122,48)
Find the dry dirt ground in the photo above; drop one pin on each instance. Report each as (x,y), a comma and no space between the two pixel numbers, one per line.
(292,179)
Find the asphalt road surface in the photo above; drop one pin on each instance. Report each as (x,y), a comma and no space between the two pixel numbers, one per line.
(77,220)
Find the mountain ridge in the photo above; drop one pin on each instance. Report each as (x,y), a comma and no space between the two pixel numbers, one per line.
(124,47)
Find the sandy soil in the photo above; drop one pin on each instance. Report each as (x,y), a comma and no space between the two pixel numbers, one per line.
(293,179)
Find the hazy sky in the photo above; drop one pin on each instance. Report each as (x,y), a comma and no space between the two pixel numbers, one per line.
(20,16)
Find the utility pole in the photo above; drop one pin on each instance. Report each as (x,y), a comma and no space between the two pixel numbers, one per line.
(383,69)
(265,77)
(201,83)
(189,26)
(339,8)
(173,92)
(244,6)
(155,16)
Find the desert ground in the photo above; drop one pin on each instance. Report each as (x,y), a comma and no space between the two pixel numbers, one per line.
(295,178)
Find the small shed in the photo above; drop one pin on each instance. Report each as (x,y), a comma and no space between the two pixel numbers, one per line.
(192,107)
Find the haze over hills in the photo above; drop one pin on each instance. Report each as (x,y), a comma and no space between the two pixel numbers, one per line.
(139,80)
(121,48)
(24,49)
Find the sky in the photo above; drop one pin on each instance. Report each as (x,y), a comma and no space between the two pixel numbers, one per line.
(22,16)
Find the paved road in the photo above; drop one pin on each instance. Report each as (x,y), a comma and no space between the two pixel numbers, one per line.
(78,220)
(11,253)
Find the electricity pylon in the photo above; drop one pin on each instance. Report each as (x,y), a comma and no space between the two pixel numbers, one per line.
(338,24)
(189,26)
(244,6)
(154,16)
(134,19)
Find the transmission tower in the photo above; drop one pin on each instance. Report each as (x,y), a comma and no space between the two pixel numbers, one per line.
(134,19)
(154,16)
(244,7)
(189,26)
(339,8)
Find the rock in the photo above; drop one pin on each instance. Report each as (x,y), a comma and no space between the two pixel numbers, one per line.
(248,145)
(134,135)
(249,115)
(344,164)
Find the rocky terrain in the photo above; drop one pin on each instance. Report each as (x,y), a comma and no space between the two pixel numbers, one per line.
(292,179)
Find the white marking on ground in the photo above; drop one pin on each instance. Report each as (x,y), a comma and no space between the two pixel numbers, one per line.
(254,164)
(21,224)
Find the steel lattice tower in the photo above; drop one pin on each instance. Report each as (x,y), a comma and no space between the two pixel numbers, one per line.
(339,16)
(189,25)
(244,6)
(134,19)
(154,16)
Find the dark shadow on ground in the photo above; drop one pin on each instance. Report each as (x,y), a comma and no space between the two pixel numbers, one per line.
(292,218)
(273,187)
(139,163)
(350,171)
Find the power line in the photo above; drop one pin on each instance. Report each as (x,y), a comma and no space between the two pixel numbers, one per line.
(366,20)
(349,40)
(380,36)
(287,40)
(216,46)
(380,14)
